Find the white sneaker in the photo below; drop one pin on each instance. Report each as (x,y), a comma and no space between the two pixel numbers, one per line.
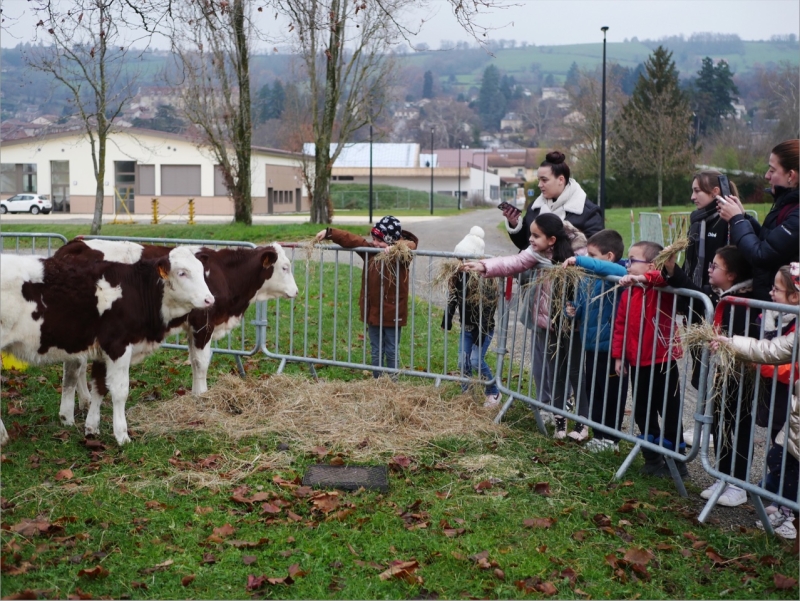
(579,433)
(560,432)
(776,517)
(786,530)
(492,401)
(688,438)
(598,445)
(706,494)
(733,497)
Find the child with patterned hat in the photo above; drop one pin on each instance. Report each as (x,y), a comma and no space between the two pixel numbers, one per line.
(383,301)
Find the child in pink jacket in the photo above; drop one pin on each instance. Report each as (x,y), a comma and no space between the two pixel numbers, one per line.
(550,242)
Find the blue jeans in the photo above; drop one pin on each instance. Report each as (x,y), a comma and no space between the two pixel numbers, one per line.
(383,343)
(472,349)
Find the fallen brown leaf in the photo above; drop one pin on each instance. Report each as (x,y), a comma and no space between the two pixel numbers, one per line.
(539,522)
(784,583)
(93,573)
(63,475)
(187,580)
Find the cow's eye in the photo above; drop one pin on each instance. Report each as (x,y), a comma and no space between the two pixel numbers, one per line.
(181,274)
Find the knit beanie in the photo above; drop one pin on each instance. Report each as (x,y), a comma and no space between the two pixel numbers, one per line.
(388,229)
(472,244)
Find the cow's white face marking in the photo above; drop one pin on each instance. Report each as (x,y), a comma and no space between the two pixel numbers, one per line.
(106,295)
(186,287)
(281,284)
(117,251)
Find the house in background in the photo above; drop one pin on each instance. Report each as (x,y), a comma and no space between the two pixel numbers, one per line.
(141,165)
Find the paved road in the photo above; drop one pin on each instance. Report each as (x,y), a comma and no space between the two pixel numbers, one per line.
(444,233)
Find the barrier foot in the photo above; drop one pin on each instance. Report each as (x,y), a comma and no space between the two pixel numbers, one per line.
(240,367)
(499,417)
(437,382)
(627,463)
(281,366)
(539,421)
(676,477)
(761,512)
(313,371)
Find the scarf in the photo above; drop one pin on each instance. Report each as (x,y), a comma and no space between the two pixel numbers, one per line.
(572,200)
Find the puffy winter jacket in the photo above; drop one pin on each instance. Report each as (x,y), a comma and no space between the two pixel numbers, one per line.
(644,322)
(473,314)
(384,287)
(774,243)
(580,212)
(708,232)
(775,352)
(593,306)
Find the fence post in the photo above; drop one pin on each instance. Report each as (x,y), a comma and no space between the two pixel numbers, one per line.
(155,211)
(191,211)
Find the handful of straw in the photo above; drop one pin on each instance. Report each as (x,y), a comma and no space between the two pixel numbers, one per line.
(696,338)
(677,247)
(479,290)
(563,284)
(392,256)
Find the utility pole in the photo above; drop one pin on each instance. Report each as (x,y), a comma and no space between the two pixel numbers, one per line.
(602,199)
(370,173)
(431,171)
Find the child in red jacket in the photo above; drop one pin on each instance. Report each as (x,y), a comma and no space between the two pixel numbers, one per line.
(645,338)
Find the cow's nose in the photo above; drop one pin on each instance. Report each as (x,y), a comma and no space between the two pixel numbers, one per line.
(209,300)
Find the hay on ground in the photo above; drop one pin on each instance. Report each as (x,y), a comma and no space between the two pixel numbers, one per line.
(366,418)
(677,247)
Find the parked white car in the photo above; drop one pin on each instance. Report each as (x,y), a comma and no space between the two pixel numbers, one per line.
(27,203)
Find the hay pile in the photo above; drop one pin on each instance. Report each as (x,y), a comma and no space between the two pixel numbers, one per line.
(365,418)
(677,247)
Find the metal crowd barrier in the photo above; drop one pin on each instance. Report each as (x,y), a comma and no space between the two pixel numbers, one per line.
(529,353)
(749,408)
(31,243)
(324,325)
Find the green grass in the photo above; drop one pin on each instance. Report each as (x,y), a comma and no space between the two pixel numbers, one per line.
(387,198)
(127,510)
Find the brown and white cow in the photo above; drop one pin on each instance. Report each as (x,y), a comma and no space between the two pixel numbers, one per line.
(236,278)
(54,310)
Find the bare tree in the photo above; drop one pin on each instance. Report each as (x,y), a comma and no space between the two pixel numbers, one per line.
(585,122)
(211,42)
(784,104)
(87,56)
(539,115)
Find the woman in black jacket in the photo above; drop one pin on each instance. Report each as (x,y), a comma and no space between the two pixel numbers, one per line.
(777,241)
(708,232)
(561,195)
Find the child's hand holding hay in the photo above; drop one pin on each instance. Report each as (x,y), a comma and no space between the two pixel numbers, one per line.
(671,253)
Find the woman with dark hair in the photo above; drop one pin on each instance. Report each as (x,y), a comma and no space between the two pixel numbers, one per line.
(560,194)
(775,242)
(708,232)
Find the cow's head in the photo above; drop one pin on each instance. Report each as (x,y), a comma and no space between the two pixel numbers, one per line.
(280,283)
(184,283)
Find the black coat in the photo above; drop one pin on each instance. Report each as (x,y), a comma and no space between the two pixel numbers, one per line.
(772,244)
(473,314)
(716,235)
(589,222)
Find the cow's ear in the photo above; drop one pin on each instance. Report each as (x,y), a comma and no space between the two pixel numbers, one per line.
(202,257)
(163,268)
(269,256)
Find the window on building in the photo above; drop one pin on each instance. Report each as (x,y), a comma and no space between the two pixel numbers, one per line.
(494,192)
(220,189)
(180,180)
(147,180)
(17,178)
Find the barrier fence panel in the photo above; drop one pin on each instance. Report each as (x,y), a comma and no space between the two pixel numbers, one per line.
(32,243)
(750,404)
(325,324)
(545,357)
(650,228)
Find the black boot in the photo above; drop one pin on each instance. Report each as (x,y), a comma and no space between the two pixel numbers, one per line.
(683,471)
(653,462)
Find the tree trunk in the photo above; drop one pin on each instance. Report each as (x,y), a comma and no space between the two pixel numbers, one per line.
(99,196)
(660,186)
(320,197)
(242,197)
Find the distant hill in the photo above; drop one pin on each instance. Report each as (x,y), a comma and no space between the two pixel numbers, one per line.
(456,69)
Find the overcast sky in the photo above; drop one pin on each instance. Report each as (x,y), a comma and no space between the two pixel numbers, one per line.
(546,22)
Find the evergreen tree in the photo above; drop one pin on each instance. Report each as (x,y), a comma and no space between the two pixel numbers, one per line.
(263,102)
(491,101)
(713,95)
(278,99)
(573,77)
(653,131)
(427,85)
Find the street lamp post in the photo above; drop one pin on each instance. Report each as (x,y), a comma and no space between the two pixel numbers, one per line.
(460,146)
(483,191)
(431,171)
(602,199)
(370,173)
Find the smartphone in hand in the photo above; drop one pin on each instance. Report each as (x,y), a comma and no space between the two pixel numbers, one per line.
(505,205)
(724,186)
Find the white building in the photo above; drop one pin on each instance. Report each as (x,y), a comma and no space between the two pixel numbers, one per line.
(141,165)
(403,166)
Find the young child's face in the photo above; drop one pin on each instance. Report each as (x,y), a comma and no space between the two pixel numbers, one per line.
(781,294)
(637,264)
(378,242)
(539,241)
(718,274)
(595,253)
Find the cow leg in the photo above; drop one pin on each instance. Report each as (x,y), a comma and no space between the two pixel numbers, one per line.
(97,392)
(200,359)
(118,380)
(83,390)
(3,433)
(72,370)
